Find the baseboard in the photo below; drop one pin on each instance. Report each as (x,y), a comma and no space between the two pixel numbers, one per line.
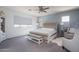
(16,37)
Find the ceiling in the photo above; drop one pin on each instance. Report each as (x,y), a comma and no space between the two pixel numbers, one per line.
(34,9)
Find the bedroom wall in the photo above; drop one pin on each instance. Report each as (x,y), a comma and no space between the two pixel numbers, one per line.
(12,31)
(74,17)
(50,18)
(74,23)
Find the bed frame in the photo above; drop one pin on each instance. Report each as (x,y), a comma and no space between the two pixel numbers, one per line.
(50,25)
(46,39)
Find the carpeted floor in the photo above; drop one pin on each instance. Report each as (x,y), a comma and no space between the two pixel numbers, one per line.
(21,44)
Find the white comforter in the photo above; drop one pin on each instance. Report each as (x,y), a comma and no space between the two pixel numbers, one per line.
(44,31)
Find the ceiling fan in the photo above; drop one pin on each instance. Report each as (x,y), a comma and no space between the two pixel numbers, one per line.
(43,9)
(40,9)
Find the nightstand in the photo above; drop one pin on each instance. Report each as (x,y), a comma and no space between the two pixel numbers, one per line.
(68,35)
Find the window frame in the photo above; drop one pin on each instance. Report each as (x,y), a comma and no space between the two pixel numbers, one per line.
(65,19)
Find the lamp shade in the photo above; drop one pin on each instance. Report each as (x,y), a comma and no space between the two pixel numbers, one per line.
(0,20)
(0,23)
(2,14)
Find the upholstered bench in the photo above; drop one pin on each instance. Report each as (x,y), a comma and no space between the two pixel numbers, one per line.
(35,38)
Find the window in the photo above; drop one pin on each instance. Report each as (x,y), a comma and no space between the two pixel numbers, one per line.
(65,19)
(22,21)
(16,25)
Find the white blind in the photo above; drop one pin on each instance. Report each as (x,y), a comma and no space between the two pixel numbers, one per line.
(22,20)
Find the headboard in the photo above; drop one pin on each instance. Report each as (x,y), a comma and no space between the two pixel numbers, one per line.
(50,25)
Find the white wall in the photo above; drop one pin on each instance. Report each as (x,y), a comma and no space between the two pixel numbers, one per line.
(12,31)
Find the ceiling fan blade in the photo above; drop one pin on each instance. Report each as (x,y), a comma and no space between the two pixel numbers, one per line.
(44,11)
(40,7)
(46,8)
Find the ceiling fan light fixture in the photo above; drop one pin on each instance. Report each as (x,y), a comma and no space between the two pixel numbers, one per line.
(40,9)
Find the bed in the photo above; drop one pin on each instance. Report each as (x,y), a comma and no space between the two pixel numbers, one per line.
(46,33)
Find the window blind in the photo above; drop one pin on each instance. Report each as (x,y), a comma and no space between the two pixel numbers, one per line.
(22,20)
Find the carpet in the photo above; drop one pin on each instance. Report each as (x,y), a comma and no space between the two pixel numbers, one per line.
(21,44)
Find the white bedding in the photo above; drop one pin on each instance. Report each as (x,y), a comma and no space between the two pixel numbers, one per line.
(44,31)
